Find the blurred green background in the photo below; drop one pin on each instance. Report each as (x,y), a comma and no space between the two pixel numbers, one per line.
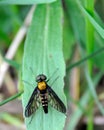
(82,46)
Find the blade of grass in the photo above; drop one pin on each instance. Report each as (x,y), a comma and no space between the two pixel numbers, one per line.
(89,4)
(95,24)
(93,92)
(90,115)
(11,98)
(11,119)
(43,53)
(85,58)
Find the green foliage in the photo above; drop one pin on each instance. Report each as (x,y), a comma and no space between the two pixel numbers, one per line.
(94,22)
(77,21)
(82,103)
(9,22)
(50,43)
(91,86)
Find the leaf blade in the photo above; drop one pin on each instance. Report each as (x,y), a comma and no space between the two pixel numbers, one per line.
(43,53)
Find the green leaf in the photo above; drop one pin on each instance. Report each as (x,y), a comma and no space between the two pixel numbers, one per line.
(43,53)
(76,19)
(25,1)
(89,4)
(95,24)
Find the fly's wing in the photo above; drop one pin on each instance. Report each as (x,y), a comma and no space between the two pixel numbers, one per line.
(33,103)
(55,101)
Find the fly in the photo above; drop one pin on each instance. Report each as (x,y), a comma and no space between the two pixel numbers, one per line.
(43,94)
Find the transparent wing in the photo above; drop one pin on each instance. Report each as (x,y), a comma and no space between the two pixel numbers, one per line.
(55,101)
(33,103)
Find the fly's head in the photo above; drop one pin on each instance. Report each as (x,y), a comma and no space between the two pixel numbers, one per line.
(41,78)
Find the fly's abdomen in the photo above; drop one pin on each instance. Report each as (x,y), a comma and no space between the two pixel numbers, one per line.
(44,102)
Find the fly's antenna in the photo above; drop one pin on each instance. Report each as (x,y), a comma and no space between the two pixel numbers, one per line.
(53,74)
(54,80)
(28,83)
(32,71)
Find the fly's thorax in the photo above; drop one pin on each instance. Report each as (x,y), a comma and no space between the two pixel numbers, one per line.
(42,85)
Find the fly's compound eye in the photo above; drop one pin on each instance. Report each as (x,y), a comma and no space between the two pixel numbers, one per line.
(43,77)
(40,78)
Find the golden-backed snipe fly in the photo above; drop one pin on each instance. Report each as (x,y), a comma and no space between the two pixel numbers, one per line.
(43,94)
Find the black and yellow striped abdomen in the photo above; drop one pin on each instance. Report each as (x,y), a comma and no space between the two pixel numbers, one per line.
(44,100)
